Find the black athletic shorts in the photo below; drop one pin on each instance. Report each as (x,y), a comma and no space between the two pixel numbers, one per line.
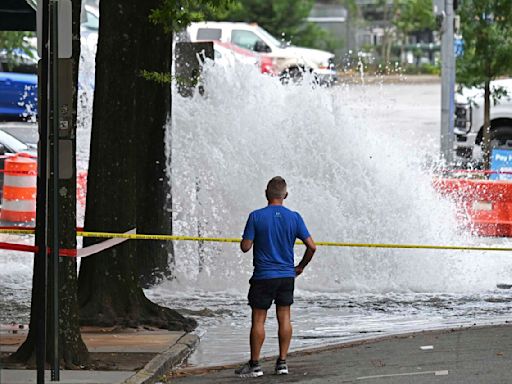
(263,292)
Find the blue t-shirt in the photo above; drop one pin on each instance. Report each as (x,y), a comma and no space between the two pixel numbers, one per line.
(273,230)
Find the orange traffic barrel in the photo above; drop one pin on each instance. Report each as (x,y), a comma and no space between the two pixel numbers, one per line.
(19,191)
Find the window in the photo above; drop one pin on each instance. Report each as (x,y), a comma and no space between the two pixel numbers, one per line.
(209,34)
(245,39)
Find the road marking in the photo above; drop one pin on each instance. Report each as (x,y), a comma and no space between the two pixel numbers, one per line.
(426,347)
(435,373)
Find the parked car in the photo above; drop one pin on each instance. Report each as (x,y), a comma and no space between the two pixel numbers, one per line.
(287,61)
(18,85)
(469,121)
(12,145)
(18,96)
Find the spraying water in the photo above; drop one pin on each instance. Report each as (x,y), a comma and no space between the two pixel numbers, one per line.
(351,180)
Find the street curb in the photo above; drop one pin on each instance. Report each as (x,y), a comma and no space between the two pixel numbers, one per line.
(165,361)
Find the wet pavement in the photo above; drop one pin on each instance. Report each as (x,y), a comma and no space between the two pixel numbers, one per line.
(322,319)
(479,355)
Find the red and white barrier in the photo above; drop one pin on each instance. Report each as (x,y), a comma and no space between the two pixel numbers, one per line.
(82,252)
(19,191)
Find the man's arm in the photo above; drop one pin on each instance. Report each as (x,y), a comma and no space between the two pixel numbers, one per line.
(245,245)
(248,235)
(308,255)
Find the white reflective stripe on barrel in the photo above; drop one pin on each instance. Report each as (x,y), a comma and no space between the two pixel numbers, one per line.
(20,181)
(19,205)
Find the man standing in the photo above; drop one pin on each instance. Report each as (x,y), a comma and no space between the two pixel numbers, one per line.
(273,231)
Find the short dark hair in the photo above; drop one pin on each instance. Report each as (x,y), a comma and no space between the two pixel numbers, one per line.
(276,188)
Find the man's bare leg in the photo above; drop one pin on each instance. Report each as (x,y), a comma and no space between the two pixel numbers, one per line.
(257,332)
(285,330)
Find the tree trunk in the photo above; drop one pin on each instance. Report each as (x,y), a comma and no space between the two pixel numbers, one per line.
(486,143)
(403,59)
(109,291)
(151,111)
(386,46)
(72,349)
(386,38)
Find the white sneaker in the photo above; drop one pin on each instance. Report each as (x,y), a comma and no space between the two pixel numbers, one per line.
(281,367)
(246,370)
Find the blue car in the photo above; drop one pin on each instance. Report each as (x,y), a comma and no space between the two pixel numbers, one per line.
(18,96)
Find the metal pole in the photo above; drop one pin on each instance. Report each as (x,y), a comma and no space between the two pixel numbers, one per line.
(447,83)
(54,178)
(41,261)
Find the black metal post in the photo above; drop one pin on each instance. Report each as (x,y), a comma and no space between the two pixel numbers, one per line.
(40,258)
(53,217)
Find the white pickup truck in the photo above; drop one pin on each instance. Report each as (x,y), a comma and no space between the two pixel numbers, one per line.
(469,121)
(285,60)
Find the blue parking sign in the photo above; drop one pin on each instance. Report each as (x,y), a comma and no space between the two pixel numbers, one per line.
(458,46)
(501,161)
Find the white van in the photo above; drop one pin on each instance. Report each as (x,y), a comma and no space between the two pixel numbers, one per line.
(287,60)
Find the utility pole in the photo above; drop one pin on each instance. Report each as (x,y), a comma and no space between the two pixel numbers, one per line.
(444,11)
(40,259)
(54,21)
(53,202)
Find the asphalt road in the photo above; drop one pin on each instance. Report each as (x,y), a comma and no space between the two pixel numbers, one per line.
(465,356)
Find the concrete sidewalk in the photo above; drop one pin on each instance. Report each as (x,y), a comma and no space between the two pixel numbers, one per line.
(479,355)
(130,356)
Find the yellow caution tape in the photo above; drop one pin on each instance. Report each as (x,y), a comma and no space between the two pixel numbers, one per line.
(413,246)
(138,236)
(320,243)
(18,231)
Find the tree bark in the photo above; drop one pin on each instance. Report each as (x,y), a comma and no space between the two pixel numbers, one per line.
(151,111)
(72,349)
(109,290)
